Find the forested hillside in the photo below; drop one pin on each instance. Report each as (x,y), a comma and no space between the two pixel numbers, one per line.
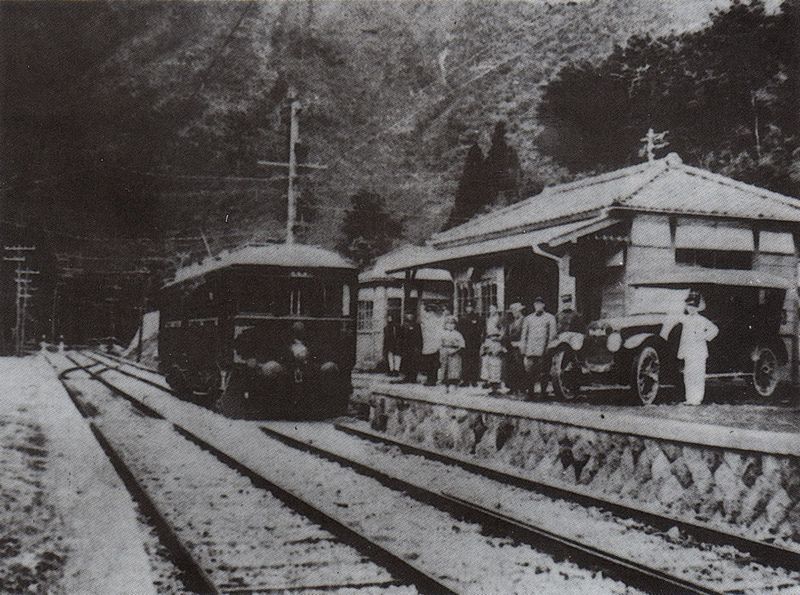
(147,119)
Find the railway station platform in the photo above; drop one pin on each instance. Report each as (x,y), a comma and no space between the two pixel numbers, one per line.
(727,466)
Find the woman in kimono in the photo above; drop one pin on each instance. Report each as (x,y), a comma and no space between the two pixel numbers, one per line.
(697,331)
(450,353)
(492,352)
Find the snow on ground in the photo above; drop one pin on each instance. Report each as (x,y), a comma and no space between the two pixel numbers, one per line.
(720,567)
(456,551)
(69,525)
(242,535)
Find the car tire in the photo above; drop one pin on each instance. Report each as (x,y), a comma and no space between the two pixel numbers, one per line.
(645,374)
(565,374)
(765,372)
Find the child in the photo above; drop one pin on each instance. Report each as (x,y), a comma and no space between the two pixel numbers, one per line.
(693,350)
(450,353)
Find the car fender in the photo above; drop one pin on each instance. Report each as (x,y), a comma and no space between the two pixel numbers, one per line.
(635,341)
(668,325)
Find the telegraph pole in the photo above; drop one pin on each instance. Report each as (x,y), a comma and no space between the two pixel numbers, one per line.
(294,134)
(23,281)
(294,139)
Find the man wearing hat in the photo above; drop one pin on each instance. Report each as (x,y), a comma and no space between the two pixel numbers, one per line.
(470,325)
(696,332)
(569,320)
(538,330)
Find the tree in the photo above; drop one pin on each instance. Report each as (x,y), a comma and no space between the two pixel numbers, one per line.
(368,229)
(502,168)
(472,191)
(726,94)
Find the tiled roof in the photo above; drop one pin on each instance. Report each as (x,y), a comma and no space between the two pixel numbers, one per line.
(565,201)
(665,185)
(682,189)
(281,255)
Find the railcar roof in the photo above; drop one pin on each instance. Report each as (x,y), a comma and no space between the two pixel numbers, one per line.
(277,255)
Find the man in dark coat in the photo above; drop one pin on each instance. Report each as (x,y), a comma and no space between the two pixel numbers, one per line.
(391,346)
(568,319)
(410,348)
(470,325)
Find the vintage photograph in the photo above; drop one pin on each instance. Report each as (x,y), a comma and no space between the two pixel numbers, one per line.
(486,297)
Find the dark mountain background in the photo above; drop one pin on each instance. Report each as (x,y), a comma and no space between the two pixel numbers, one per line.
(130,131)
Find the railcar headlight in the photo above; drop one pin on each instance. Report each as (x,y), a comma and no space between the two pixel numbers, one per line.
(576,341)
(299,351)
(329,369)
(614,342)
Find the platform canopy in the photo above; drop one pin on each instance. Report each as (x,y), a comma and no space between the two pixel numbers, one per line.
(278,255)
(380,270)
(662,186)
(431,255)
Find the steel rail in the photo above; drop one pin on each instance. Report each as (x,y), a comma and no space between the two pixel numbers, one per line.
(126,361)
(126,373)
(405,572)
(630,572)
(193,575)
(767,553)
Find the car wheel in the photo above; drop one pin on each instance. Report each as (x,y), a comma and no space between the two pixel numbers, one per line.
(765,372)
(565,373)
(645,374)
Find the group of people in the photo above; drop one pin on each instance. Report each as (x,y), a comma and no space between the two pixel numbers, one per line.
(503,349)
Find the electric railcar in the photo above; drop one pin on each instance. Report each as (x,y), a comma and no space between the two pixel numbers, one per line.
(266,331)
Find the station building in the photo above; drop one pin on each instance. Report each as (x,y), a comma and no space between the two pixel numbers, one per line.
(381,294)
(592,238)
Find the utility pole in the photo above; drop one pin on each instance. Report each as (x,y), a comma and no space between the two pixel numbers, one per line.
(294,138)
(23,281)
(653,141)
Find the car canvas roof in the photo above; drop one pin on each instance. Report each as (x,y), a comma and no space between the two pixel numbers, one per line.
(701,276)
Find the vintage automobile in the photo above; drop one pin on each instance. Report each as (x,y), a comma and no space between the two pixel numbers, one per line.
(639,350)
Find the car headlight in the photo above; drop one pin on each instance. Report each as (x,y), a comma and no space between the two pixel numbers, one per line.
(576,341)
(614,342)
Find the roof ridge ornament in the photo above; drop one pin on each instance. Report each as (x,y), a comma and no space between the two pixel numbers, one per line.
(673,159)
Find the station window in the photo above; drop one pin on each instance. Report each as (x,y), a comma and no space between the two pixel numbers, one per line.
(464,293)
(715,259)
(365,311)
(488,296)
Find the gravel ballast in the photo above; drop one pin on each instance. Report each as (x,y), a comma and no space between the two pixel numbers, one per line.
(454,551)
(242,535)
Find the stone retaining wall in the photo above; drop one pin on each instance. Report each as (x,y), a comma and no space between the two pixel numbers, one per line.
(755,494)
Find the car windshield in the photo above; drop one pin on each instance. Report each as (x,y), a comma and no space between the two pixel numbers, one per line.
(661,300)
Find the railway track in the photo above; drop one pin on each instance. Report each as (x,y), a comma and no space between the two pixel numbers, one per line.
(343,550)
(630,571)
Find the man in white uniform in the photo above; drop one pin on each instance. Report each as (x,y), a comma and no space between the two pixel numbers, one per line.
(697,331)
